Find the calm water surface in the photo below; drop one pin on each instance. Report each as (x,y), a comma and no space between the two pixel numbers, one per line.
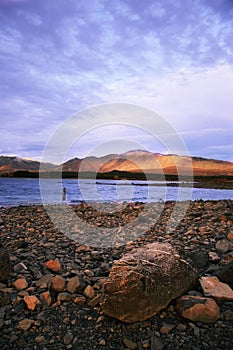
(17,191)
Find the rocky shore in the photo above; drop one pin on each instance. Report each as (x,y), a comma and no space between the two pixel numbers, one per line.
(51,296)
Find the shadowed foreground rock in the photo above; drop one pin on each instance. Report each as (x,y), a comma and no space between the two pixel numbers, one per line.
(144,281)
(4,264)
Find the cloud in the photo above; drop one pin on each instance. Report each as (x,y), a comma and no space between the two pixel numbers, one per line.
(58,58)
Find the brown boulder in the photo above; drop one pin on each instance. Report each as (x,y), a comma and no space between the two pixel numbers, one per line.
(144,281)
(196,308)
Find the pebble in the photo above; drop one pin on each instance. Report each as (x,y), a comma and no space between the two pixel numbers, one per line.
(68,339)
(31,301)
(53,265)
(89,292)
(58,284)
(73,285)
(166,328)
(45,298)
(64,296)
(224,246)
(25,324)
(102,342)
(129,344)
(21,283)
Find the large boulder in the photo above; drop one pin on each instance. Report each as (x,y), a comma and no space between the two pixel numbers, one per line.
(144,281)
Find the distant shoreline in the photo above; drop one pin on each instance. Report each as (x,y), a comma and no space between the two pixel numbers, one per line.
(208,181)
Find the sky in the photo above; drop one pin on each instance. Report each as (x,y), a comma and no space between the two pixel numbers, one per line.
(62,58)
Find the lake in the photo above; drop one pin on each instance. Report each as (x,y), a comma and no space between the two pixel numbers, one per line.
(22,191)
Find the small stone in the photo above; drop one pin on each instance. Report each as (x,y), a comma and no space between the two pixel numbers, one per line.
(166,328)
(79,299)
(181,327)
(20,267)
(214,288)
(21,283)
(64,296)
(102,342)
(199,258)
(100,319)
(145,345)
(53,265)
(227,259)
(40,339)
(129,343)
(83,248)
(89,292)
(31,301)
(225,273)
(224,246)
(45,298)
(230,236)
(198,309)
(68,339)
(4,299)
(25,324)
(214,257)
(156,343)
(23,293)
(228,315)
(96,300)
(73,285)
(44,281)
(58,284)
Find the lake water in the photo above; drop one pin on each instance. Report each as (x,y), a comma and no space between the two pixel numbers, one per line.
(20,191)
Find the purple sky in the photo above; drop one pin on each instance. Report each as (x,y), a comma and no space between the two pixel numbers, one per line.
(59,57)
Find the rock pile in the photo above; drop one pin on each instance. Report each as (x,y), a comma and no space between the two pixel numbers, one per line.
(54,292)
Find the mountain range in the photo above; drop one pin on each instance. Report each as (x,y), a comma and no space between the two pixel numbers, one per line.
(133,161)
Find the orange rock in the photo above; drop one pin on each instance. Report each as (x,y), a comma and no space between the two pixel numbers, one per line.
(223,218)
(230,236)
(58,284)
(31,301)
(45,298)
(21,283)
(53,265)
(214,288)
(89,292)
(198,309)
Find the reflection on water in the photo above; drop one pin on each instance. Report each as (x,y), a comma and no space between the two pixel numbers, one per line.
(17,191)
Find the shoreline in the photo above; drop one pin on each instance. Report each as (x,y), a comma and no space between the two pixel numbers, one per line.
(204,238)
(115,203)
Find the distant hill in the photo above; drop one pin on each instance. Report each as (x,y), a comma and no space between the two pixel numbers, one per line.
(9,165)
(132,161)
(147,162)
